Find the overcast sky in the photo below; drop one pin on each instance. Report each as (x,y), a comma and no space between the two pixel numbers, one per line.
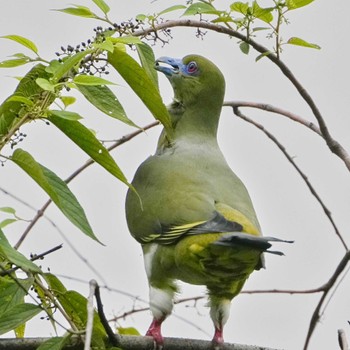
(284,205)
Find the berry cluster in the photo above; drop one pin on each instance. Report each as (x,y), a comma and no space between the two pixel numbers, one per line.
(97,63)
(17,138)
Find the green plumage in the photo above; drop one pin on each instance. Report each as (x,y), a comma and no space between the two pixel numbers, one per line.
(191,199)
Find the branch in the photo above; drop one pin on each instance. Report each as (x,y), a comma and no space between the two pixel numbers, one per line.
(33,258)
(304,177)
(273,109)
(326,289)
(343,343)
(333,145)
(127,343)
(329,285)
(134,311)
(90,315)
(117,143)
(113,338)
(253,291)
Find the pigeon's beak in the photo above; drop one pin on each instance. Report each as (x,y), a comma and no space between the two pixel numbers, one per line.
(168,65)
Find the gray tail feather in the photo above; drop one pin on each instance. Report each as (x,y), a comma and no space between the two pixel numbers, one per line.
(250,241)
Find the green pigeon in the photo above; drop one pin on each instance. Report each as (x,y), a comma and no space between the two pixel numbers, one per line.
(192,215)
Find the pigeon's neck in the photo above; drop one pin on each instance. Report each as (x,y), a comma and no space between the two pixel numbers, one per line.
(195,121)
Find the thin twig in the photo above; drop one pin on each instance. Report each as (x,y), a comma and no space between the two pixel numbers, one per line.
(327,287)
(333,145)
(33,258)
(54,301)
(273,109)
(343,343)
(113,338)
(143,309)
(117,143)
(90,315)
(304,177)
(253,291)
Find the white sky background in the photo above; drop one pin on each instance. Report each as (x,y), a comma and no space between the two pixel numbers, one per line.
(284,205)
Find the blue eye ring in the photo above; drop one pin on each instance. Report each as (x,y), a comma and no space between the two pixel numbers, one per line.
(192,67)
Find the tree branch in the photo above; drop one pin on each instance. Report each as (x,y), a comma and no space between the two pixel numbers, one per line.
(33,258)
(274,109)
(326,289)
(333,145)
(343,343)
(304,177)
(127,343)
(329,285)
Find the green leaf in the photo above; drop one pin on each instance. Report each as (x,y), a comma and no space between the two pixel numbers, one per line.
(106,45)
(54,283)
(75,306)
(128,331)
(264,14)
(264,54)
(87,141)
(104,99)
(147,59)
(20,55)
(69,64)
(199,8)
(68,100)
(143,86)
(80,11)
(295,4)
(258,29)
(7,222)
(102,5)
(83,79)
(53,66)
(17,316)
(241,7)
(8,210)
(21,99)
(171,9)
(13,292)
(128,40)
(45,84)
(55,343)
(141,17)
(27,88)
(23,41)
(15,257)
(244,47)
(56,188)
(65,114)
(14,62)
(223,19)
(301,42)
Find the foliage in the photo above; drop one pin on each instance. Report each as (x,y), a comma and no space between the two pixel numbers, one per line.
(43,94)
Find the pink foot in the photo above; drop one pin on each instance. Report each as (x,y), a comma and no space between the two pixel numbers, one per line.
(155,332)
(218,338)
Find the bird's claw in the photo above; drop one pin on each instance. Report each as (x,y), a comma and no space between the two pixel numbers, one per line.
(218,339)
(154,331)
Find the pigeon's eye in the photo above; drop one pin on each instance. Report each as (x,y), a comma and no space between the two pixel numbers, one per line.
(192,67)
